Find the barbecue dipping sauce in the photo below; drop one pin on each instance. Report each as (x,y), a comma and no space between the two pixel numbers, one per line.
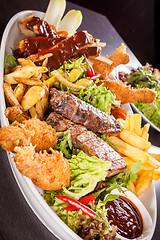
(125,215)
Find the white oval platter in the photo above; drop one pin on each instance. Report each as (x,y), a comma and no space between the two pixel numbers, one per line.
(31,193)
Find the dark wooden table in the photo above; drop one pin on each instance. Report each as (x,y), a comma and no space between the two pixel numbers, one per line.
(17,221)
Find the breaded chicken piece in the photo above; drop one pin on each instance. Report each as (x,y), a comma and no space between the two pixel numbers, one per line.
(106,65)
(33,131)
(126,94)
(47,171)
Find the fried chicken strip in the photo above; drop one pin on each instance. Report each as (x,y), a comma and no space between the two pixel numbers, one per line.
(47,171)
(105,65)
(127,94)
(33,131)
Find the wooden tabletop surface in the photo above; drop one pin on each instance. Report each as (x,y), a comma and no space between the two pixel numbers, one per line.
(17,220)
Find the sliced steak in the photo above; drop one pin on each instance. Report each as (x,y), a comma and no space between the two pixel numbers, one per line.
(81,112)
(89,142)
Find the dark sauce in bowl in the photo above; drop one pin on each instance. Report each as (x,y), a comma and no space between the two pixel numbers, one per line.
(126,216)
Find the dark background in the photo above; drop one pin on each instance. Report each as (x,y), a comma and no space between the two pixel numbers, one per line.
(137,21)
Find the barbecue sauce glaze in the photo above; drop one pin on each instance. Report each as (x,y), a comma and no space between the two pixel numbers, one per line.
(125,215)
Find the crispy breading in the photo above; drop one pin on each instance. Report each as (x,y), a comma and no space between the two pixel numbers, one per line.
(105,67)
(33,131)
(127,94)
(14,135)
(47,171)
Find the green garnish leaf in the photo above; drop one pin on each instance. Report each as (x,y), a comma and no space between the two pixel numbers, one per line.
(110,197)
(10,60)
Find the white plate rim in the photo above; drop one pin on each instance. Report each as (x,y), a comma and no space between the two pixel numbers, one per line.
(31,193)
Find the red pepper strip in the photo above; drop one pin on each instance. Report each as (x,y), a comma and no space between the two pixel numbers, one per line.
(84,200)
(90,72)
(86,210)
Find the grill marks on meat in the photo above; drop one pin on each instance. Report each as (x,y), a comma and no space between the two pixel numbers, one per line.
(89,142)
(81,112)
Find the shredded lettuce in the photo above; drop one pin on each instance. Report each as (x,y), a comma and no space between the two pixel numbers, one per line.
(98,96)
(71,64)
(10,60)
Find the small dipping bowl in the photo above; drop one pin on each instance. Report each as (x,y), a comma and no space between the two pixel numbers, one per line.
(146,218)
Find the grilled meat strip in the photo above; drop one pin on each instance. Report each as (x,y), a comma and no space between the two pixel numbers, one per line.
(89,142)
(81,112)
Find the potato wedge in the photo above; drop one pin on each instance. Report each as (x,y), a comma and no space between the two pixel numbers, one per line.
(134,139)
(28,81)
(33,113)
(50,81)
(39,109)
(129,150)
(19,91)
(143,181)
(15,114)
(45,99)
(26,62)
(32,96)
(8,91)
(23,72)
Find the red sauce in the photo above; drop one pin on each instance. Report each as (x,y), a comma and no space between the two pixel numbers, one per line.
(125,215)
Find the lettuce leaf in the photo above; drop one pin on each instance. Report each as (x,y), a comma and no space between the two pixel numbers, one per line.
(86,172)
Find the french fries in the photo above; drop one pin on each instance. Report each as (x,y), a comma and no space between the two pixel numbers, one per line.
(132,142)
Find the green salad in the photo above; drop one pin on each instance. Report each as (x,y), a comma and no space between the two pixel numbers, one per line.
(146,77)
(89,182)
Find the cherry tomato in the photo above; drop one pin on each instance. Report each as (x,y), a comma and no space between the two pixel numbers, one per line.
(119,113)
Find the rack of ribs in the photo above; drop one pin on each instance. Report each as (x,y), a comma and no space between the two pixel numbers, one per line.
(89,142)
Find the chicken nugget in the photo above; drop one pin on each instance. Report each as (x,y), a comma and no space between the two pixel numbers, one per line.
(47,171)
